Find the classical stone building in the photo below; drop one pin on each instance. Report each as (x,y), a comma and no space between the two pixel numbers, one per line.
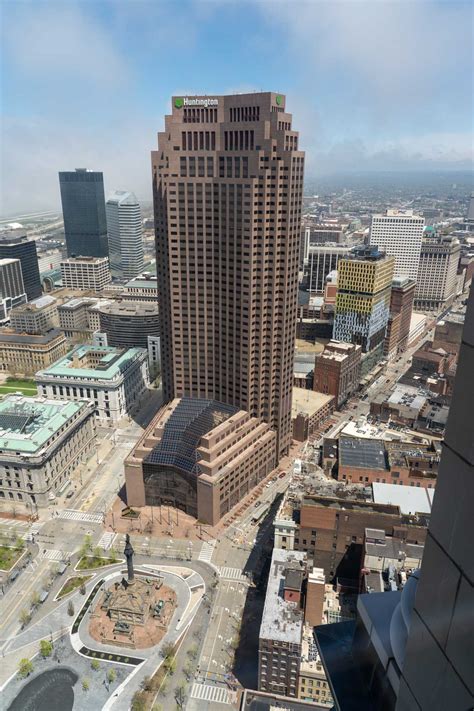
(25,353)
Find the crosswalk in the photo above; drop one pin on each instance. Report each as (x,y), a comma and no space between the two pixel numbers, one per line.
(13,523)
(81,516)
(36,528)
(106,540)
(53,554)
(205,554)
(207,692)
(232,574)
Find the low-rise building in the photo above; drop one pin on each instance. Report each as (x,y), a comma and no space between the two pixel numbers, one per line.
(37,317)
(312,682)
(281,629)
(388,560)
(309,412)
(42,442)
(74,319)
(22,353)
(113,379)
(129,323)
(337,370)
(331,530)
(201,456)
(448,333)
(142,288)
(86,273)
(431,361)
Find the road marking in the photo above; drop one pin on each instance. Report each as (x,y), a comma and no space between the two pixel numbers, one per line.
(53,554)
(81,516)
(232,574)
(206,692)
(205,554)
(106,540)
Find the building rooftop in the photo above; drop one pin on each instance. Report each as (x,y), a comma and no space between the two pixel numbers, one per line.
(122,197)
(128,308)
(360,452)
(92,362)
(378,544)
(362,429)
(409,499)
(37,304)
(408,396)
(282,620)
(78,302)
(190,419)
(7,335)
(308,401)
(26,423)
(86,260)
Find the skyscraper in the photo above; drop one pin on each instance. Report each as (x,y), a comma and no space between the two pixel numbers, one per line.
(436,281)
(124,226)
(18,246)
(83,201)
(228,181)
(399,234)
(363,298)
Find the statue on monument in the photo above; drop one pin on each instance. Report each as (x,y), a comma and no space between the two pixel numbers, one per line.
(128,553)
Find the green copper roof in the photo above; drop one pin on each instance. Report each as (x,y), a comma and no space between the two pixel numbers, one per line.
(26,424)
(111,363)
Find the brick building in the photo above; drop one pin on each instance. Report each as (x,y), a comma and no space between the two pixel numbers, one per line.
(337,370)
(401,302)
(331,530)
(310,411)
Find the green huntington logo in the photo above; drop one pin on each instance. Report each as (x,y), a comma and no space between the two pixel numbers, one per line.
(279,100)
(187,101)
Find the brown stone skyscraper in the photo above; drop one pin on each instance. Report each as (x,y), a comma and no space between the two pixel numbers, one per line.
(228,182)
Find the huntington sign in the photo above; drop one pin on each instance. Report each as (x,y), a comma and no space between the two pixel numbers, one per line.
(185,101)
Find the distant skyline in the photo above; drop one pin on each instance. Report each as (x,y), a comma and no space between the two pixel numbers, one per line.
(373,86)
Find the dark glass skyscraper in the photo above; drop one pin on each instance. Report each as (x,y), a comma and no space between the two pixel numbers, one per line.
(13,246)
(83,202)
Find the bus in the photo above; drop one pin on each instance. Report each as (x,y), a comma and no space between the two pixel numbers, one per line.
(260,512)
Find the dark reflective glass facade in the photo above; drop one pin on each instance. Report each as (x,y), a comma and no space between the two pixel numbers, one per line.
(85,223)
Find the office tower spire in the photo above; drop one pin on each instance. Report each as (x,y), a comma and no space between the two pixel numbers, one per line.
(228,181)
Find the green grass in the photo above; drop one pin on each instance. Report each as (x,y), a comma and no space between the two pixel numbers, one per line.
(27,387)
(8,557)
(88,562)
(73,584)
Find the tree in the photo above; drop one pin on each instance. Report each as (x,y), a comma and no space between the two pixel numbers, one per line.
(24,617)
(86,546)
(35,598)
(46,648)
(188,670)
(180,694)
(167,650)
(113,555)
(163,688)
(82,589)
(192,652)
(139,701)
(85,684)
(97,552)
(111,676)
(25,667)
(70,608)
(170,665)
(95,664)
(146,683)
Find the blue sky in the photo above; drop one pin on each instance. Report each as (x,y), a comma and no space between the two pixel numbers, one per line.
(372,85)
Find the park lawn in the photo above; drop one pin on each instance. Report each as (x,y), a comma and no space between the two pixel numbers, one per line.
(27,387)
(72,584)
(8,557)
(89,562)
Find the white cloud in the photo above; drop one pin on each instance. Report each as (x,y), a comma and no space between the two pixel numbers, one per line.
(60,40)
